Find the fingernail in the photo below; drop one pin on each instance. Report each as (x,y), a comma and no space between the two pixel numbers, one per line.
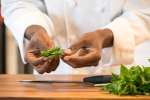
(68,51)
(45,58)
(50,60)
(66,58)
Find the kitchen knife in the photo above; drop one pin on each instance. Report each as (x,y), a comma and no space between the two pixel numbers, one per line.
(99,79)
(50,81)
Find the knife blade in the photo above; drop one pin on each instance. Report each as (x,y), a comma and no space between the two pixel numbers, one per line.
(50,81)
(98,79)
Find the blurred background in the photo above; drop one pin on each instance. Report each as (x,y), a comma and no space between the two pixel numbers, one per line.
(9,53)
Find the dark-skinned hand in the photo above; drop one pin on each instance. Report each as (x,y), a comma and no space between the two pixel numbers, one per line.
(87,50)
(39,40)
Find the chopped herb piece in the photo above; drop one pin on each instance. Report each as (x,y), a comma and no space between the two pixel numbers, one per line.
(53,52)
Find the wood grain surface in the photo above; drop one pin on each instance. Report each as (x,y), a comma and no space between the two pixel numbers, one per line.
(12,89)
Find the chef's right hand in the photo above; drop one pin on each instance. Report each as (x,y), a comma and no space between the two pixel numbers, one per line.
(39,40)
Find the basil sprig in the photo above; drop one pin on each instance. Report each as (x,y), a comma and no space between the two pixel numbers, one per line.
(132,81)
(53,52)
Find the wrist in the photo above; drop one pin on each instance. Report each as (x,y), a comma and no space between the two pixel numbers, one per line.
(33,30)
(106,37)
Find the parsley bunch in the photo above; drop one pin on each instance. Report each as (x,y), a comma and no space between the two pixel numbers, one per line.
(53,52)
(132,81)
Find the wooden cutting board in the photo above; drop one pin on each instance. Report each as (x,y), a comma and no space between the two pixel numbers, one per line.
(12,89)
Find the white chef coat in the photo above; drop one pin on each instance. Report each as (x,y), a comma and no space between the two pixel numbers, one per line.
(67,20)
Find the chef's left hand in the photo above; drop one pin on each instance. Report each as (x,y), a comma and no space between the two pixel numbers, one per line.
(87,51)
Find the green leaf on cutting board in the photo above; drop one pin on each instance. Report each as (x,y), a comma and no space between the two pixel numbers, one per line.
(131,81)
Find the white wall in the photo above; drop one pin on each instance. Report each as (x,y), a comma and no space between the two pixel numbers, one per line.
(11,54)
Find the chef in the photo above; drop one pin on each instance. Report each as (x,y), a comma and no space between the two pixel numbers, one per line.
(97,33)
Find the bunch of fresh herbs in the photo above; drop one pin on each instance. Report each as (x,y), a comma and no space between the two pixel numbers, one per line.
(53,52)
(132,81)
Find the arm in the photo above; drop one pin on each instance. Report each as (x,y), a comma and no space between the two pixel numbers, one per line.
(123,33)
(23,18)
(130,29)
(20,14)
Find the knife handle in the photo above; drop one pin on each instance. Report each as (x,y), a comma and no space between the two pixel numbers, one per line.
(98,79)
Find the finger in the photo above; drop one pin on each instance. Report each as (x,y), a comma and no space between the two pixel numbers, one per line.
(37,61)
(67,52)
(35,52)
(41,42)
(41,68)
(54,63)
(80,52)
(90,59)
(71,64)
(34,59)
(78,45)
(48,66)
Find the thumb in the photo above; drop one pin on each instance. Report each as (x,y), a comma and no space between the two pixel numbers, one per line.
(67,52)
(81,44)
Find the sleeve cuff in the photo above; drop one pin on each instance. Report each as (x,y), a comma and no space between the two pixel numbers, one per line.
(124,43)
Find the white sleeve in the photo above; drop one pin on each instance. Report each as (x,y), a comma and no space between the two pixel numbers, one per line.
(130,29)
(19,14)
